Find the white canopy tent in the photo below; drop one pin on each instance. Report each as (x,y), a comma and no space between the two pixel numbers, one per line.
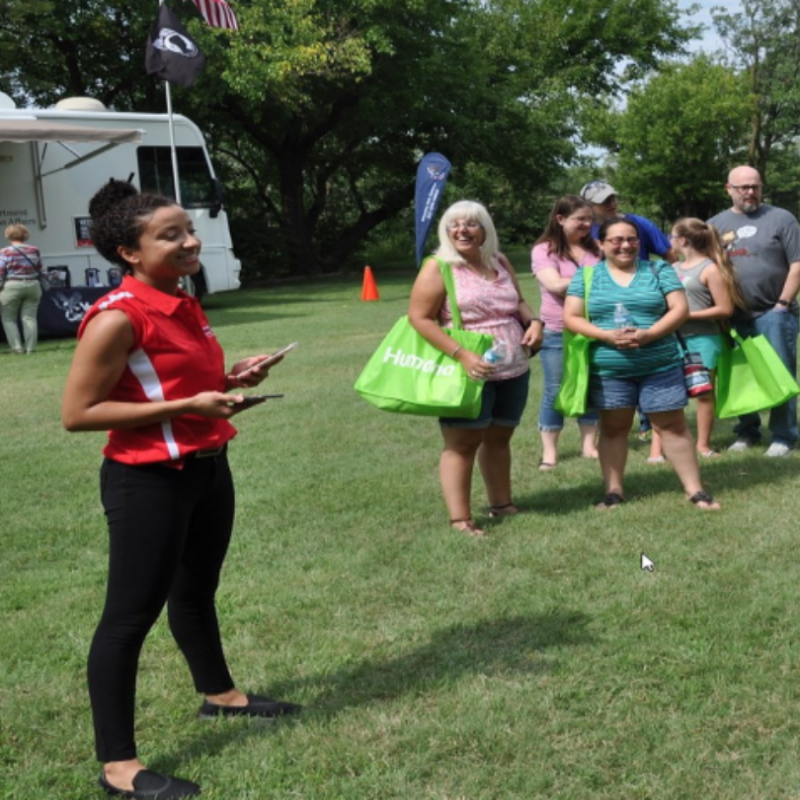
(38,130)
(33,131)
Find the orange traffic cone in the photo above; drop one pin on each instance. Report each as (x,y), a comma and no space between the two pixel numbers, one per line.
(369,290)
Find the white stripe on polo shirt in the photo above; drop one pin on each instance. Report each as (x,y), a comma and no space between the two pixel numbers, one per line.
(143,370)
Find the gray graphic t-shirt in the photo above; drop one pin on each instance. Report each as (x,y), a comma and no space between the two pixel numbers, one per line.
(761,246)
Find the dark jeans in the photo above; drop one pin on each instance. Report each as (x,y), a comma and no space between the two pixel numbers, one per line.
(169,531)
(780,329)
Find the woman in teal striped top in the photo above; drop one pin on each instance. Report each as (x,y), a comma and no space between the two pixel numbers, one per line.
(634,307)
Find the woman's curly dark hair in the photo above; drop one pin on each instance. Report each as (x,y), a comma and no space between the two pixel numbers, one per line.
(119,215)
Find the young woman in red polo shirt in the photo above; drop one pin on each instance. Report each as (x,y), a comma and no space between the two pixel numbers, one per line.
(149,370)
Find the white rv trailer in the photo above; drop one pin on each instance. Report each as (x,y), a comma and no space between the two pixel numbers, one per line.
(52,161)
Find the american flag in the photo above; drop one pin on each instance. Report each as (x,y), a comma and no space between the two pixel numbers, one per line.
(217,13)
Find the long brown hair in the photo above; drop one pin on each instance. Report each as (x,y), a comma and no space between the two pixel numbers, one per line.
(705,239)
(554,232)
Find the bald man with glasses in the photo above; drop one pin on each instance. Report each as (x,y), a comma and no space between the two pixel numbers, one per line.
(763,243)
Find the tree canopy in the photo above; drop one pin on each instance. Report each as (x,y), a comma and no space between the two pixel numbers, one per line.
(678,136)
(318,110)
(764,42)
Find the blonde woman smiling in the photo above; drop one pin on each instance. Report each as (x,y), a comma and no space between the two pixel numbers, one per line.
(490,301)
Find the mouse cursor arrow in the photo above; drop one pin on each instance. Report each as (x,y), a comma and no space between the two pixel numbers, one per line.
(647,563)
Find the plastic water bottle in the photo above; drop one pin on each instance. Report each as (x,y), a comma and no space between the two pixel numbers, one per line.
(496,354)
(622,317)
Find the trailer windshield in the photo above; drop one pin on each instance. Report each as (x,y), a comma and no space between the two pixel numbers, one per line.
(197,185)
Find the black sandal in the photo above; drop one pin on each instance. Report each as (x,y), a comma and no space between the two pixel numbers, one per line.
(611,500)
(702,497)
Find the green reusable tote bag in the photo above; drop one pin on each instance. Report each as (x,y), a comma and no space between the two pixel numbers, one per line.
(751,377)
(408,375)
(571,400)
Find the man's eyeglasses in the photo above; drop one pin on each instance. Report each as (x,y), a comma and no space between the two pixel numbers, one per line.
(748,187)
(618,241)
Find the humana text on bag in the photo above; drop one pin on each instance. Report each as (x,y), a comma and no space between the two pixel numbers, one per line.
(408,375)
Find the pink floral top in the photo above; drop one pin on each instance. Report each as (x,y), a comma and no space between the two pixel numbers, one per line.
(490,307)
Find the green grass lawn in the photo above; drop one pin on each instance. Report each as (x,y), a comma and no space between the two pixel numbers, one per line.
(541,662)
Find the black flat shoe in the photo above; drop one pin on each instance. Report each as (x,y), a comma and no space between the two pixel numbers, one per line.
(256,707)
(149,785)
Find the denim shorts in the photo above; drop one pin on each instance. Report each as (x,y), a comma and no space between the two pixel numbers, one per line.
(709,346)
(664,391)
(503,404)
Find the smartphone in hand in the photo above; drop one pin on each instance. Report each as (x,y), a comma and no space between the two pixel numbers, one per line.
(269,360)
(254,400)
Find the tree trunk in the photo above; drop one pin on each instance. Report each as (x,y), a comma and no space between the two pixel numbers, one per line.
(295,222)
(352,236)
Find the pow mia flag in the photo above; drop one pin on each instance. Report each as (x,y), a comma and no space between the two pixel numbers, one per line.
(171,54)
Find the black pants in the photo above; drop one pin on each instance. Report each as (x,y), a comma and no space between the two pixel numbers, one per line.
(169,532)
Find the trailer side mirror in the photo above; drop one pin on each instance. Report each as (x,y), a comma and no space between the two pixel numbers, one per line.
(217,206)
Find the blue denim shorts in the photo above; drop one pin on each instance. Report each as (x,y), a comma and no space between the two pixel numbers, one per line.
(664,391)
(503,404)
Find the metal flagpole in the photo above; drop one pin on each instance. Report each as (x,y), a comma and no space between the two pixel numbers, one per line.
(172,148)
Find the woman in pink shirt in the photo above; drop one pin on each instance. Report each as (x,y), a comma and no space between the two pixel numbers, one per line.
(490,301)
(565,247)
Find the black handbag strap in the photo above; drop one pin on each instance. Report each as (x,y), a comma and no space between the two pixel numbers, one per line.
(678,334)
(38,267)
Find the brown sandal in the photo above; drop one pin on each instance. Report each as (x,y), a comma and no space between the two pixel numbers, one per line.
(467,526)
(507,510)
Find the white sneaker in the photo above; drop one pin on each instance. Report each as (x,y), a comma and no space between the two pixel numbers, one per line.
(777,450)
(740,445)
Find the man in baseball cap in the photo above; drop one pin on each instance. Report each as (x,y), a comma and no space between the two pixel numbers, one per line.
(597,192)
(603,197)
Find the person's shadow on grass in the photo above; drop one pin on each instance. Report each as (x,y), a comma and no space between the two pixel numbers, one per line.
(520,644)
(502,646)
